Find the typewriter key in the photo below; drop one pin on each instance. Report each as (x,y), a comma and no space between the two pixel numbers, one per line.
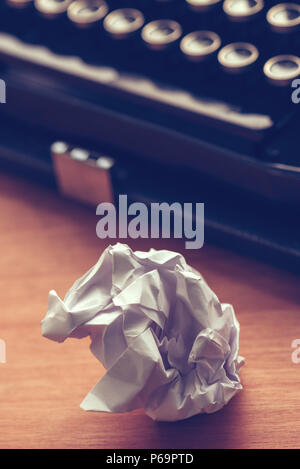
(202,5)
(238,57)
(52,8)
(284,18)
(85,13)
(161,34)
(199,46)
(123,23)
(18,3)
(282,70)
(242,10)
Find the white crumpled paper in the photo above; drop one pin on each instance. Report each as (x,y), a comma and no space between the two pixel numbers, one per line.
(168,345)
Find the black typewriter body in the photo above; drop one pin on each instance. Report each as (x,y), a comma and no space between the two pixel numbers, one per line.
(195,100)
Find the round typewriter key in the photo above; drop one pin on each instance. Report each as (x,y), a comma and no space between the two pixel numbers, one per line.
(238,57)
(160,34)
(85,13)
(282,70)
(200,45)
(202,5)
(284,18)
(123,23)
(242,10)
(52,8)
(18,3)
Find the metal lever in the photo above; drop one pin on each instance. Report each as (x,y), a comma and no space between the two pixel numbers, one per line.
(82,175)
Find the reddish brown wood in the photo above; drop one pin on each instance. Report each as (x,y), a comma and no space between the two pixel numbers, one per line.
(47,242)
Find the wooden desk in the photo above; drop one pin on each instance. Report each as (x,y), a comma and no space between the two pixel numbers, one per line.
(47,242)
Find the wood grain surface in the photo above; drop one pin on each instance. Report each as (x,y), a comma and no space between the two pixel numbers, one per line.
(47,242)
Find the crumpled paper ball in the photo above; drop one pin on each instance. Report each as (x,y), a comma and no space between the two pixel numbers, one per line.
(168,345)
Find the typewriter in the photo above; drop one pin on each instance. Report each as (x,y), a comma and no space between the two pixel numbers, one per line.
(179,100)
